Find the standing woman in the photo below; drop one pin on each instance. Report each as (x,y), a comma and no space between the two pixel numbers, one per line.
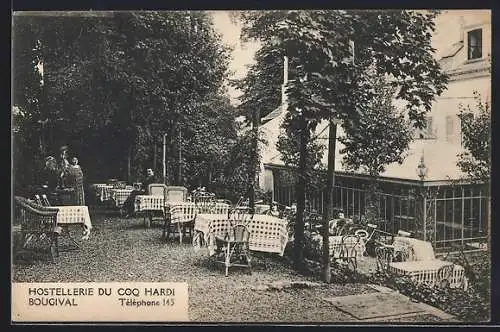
(75,181)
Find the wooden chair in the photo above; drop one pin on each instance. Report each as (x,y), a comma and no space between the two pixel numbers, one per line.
(233,248)
(175,194)
(38,225)
(157,189)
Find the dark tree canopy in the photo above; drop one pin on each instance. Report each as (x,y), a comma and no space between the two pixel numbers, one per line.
(114,84)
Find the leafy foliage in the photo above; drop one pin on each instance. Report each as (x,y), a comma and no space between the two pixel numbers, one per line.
(328,81)
(121,81)
(236,178)
(471,305)
(261,87)
(476,133)
(377,138)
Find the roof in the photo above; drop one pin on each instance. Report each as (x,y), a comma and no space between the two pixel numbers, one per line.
(440,157)
(273,114)
(454,61)
(453,50)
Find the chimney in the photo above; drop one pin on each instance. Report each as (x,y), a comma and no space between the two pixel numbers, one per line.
(284,101)
(461,23)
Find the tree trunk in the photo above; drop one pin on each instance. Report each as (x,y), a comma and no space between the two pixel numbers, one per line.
(255,158)
(129,163)
(329,199)
(301,200)
(179,173)
(155,153)
(210,170)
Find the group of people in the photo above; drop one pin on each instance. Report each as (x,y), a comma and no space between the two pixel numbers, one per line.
(65,174)
(68,174)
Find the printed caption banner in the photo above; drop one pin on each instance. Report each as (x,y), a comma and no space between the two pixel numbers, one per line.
(100,302)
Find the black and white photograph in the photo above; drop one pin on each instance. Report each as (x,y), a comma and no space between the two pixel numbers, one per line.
(321,166)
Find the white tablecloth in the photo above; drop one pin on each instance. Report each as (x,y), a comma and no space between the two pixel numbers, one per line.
(120,196)
(104,192)
(267,233)
(149,203)
(202,222)
(71,215)
(426,271)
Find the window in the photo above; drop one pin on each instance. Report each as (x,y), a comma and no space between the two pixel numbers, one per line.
(474,44)
(449,128)
(427,132)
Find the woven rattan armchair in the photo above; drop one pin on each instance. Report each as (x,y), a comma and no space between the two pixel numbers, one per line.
(38,226)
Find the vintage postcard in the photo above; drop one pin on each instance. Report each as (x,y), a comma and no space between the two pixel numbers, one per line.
(276,167)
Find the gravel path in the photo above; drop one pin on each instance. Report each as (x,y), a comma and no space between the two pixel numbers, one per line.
(122,250)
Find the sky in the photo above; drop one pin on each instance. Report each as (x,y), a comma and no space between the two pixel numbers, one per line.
(242,54)
(447,33)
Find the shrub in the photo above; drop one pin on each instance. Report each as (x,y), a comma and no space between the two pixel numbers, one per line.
(470,305)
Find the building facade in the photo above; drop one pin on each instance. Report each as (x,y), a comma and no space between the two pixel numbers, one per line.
(424,195)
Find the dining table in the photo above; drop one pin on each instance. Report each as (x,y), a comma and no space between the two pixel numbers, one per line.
(120,196)
(267,233)
(73,215)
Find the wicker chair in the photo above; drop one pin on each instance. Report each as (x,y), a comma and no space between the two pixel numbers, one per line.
(38,225)
(346,250)
(444,275)
(45,200)
(233,248)
(38,199)
(384,257)
(181,220)
(205,201)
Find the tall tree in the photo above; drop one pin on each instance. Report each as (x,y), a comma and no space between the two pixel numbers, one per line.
(260,96)
(379,137)
(120,81)
(475,162)
(326,83)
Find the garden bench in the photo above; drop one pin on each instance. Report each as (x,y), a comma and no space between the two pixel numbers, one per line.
(37,224)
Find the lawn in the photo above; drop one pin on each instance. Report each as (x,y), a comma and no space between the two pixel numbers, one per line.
(121,249)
